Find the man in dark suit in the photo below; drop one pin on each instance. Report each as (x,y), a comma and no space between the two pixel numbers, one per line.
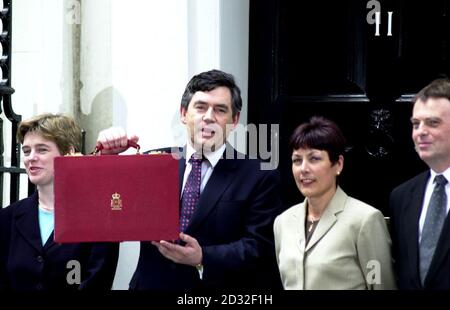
(227,241)
(419,207)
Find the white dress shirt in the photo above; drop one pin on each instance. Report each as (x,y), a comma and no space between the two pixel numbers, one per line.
(428,192)
(207,165)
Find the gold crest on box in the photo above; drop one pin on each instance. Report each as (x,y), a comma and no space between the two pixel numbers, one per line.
(116,202)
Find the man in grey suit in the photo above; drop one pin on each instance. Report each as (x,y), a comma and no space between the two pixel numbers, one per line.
(419,207)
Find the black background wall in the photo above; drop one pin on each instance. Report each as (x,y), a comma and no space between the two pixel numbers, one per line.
(323,58)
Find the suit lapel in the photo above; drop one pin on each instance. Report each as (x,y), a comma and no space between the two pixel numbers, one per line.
(26,221)
(181,169)
(299,217)
(411,220)
(328,217)
(50,243)
(298,227)
(219,181)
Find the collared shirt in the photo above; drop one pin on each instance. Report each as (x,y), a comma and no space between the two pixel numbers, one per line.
(207,165)
(428,192)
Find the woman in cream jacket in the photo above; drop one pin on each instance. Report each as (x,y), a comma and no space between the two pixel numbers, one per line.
(330,240)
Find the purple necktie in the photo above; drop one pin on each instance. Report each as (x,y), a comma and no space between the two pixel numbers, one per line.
(191,193)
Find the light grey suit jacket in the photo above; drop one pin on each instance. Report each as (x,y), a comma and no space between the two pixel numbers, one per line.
(349,249)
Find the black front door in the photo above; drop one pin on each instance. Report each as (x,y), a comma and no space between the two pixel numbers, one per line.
(328,58)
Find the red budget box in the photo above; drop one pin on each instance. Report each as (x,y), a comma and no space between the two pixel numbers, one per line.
(116,198)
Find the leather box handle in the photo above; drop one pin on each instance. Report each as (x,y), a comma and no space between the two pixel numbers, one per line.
(130,143)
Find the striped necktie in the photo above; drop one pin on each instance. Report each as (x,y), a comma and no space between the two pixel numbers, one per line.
(434,221)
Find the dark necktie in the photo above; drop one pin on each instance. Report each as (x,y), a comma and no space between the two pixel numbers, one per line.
(191,193)
(432,227)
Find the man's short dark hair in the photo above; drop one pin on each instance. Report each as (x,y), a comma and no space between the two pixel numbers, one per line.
(319,133)
(210,80)
(439,88)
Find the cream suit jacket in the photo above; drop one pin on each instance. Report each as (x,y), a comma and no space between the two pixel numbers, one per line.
(349,249)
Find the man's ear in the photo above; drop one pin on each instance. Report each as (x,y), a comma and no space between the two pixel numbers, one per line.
(236,119)
(183,115)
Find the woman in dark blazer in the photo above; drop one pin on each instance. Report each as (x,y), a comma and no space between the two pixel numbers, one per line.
(29,258)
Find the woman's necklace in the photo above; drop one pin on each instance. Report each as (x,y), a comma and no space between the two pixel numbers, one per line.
(312,222)
(44,207)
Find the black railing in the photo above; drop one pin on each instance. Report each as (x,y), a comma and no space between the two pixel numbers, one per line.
(6,91)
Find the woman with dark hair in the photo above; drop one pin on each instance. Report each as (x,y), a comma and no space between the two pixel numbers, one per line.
(330,240)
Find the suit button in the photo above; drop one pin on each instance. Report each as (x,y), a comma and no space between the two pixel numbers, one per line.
(40,259)
(39,286)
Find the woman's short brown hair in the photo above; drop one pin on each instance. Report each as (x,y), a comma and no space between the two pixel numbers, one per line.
(60,129)
(319,133)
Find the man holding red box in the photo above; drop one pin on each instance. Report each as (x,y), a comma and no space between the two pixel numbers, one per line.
(227,202)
